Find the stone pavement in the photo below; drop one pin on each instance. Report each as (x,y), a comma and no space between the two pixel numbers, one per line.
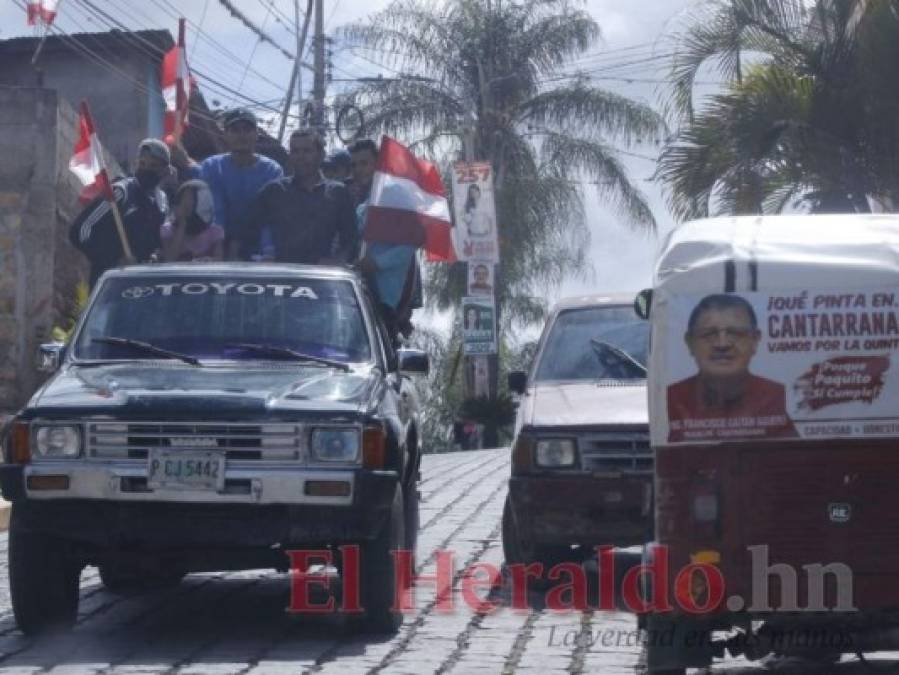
(236,624)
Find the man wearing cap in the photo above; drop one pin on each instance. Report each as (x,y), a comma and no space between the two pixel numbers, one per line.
(235,177)
(338,166)
(142,205)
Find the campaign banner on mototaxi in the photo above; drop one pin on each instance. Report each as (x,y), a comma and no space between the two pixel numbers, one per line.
(795,364)
(478,325)
(475,212)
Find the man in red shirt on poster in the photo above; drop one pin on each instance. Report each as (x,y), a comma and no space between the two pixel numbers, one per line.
(724,400)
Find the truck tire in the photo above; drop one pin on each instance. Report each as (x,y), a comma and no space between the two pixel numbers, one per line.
(123,580)
(411,517)
(518,551)
(673,646)
(376,574)
(43,581)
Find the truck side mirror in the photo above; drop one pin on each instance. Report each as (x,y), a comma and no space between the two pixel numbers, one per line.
(643,303)
(518,381)
(413,361)
(49,356)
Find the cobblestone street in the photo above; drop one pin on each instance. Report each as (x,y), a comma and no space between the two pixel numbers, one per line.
(230,624)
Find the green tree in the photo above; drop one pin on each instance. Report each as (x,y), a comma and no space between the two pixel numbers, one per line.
(486,74)
(481,81)
(810,110)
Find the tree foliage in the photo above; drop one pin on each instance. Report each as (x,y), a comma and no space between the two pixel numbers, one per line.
(483,75)
(810,111)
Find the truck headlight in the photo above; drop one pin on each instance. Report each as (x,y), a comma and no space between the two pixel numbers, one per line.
(335,445)
(57,441)
(556,452)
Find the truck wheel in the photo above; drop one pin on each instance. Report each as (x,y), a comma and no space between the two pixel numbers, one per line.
(520,551)
(411,517)
(124,580)
(376,574)
(43,582)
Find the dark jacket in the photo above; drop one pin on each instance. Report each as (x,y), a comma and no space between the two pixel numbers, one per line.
(94,231)
(307,226)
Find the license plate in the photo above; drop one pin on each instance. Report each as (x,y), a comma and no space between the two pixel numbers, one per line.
(185,470)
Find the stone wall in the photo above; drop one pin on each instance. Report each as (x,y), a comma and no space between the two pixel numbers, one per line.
(39,268)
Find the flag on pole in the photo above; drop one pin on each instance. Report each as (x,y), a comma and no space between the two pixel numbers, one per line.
(87,161)
(42,11)
(176,82)
(408,203)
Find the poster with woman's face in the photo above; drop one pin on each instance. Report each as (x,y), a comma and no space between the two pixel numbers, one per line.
(475,213)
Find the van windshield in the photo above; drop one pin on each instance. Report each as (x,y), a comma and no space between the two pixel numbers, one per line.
(225,318)
(595,343)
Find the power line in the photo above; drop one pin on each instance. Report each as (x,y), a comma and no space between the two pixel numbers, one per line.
(237,14)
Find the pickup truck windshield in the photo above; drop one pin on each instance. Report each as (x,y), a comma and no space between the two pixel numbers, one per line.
(594,344)
(221,318)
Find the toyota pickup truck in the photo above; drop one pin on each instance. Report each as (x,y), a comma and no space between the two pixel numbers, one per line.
(213,417)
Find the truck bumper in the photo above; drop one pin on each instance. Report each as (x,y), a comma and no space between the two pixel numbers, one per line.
(565,510)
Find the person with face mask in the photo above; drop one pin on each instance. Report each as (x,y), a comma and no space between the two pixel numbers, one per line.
(142,205)
(191,233)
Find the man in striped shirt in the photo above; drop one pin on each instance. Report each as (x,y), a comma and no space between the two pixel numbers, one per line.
(142,205)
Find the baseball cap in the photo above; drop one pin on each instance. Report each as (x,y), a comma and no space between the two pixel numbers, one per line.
(239,115)
(155,148)
(339,158)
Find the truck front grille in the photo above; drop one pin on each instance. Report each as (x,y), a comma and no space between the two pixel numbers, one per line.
(133,440)
(616,452)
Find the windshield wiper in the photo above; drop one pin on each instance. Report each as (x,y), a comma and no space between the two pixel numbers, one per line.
(273,350)
(620,354)
(148,348)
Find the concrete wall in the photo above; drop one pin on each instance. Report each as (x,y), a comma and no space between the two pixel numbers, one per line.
(39,268)
(118,100)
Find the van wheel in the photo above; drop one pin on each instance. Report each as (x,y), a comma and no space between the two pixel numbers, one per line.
(43,581)
(517,550)
(376,574)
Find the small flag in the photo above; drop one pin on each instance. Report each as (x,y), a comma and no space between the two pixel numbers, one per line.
(87,160)
(176,82)
(408,203)
(43,11)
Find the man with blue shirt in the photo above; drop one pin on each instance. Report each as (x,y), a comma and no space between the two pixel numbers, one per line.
(391,270)
(236,177)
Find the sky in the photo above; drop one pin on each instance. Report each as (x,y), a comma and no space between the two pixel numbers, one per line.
(631,60)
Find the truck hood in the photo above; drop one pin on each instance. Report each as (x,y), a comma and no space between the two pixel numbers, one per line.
(181,389)
(586,404)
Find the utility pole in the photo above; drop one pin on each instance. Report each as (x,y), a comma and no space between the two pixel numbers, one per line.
(318,63)
(296,76)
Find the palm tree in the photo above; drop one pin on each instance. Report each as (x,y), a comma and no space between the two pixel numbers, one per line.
(480,78)
(810,111)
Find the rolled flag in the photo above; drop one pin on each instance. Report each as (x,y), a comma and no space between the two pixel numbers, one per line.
(42,11)
(408,203)
(176,81)
(87,161)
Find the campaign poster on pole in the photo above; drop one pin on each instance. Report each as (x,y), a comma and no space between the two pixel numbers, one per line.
(779,365)
(475,212)
(480,277)
(478,325)
(481,377)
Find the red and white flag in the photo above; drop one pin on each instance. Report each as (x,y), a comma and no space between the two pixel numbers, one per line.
(408,204)
(42,11)
(87,161)
(176,82)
